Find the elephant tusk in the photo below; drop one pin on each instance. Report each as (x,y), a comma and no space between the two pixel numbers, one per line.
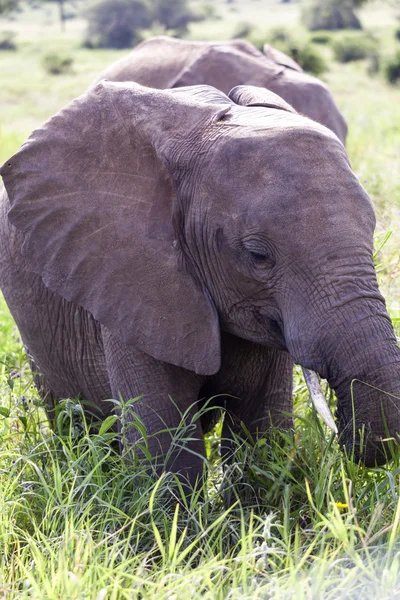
(318,399)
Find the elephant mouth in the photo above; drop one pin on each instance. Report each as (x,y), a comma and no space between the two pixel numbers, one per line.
(271,329)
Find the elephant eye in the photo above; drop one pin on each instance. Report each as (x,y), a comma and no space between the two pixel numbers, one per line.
(259,255)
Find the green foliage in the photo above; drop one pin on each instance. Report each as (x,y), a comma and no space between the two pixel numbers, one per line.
(207,10)
(243,30)
(119,23)
(116,23)
(392,69)
(7,40)
(286,510)
(174,14)
(8,6)
(397,33)
(353,46)
(56,64)
(321,37)
(330,15)
(298,48)
(309,59)
(280,34)
(373,64)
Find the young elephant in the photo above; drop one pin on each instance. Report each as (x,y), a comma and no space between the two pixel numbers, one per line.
(164,62)
(182,244)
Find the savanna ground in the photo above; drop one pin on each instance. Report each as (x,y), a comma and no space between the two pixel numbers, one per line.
(293,517)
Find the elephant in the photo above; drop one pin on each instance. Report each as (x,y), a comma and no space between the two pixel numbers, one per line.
(176,245)
(280,58)
(163,62)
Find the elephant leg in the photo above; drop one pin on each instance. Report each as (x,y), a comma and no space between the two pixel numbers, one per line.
(260,379)
(46,394)
(62,340)
(166,405)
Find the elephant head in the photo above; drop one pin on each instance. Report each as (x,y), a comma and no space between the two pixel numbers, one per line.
(164,62)
(174,215)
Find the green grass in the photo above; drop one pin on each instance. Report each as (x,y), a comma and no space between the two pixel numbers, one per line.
(79,522)
(292,517)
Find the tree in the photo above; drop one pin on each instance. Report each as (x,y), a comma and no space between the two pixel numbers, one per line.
(116,23)
(8,6)
(61,12)
(66,8)
(173,14)
(332,14)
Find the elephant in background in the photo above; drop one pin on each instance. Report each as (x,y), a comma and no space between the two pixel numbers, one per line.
(164,62)
(280,58)
(184,244)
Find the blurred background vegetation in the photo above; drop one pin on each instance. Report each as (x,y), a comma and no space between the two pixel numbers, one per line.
(310,31)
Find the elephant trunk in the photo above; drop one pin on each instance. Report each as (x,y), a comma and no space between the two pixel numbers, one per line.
(368,413)
(361,361)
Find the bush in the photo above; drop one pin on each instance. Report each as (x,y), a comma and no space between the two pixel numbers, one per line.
(7,7)
(397,34)
(330,15)
(174,14)
(116,23)
(309,59)
(243,30)
(321,37)
(208,11)
(392,69)
(374,64)
(7,40)
(353,47)
(56,64)
(279,34)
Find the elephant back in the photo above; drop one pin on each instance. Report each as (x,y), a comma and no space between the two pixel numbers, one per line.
(280,58)
(154,63)
(164,62)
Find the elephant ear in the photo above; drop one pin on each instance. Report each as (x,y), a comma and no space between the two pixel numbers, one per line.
(248,95)
(92,192)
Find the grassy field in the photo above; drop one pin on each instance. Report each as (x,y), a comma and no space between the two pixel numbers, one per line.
(292,518)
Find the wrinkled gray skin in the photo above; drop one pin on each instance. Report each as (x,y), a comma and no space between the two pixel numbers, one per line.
(185,244)
(164,62)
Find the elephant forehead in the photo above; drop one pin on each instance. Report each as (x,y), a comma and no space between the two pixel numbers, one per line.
(286,161)
(269,175)
(267,119)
